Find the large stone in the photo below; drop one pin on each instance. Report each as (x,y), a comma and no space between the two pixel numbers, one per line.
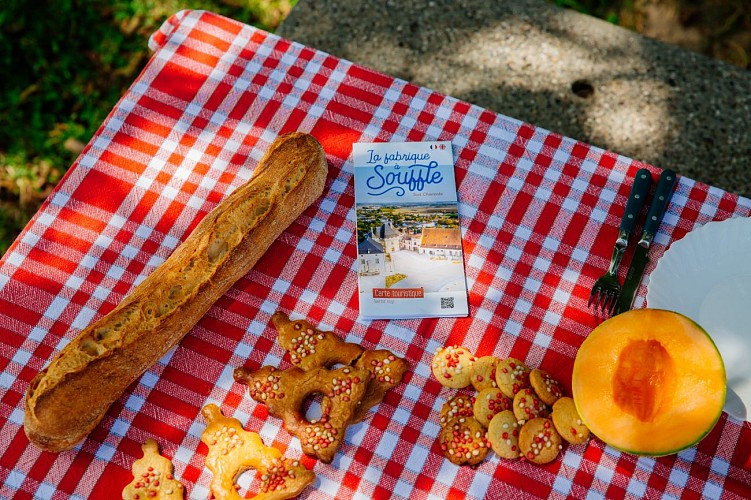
(555,68)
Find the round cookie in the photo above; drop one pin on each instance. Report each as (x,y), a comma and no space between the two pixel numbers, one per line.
(503,434)
(527,405)
(568,423)
(463,441)
(547,388)
(539,442)
(488,403)
(458,406)
(452,366)
(483,373)
(512,375)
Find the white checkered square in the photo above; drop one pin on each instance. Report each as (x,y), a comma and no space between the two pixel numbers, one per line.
(17,416)
(562,485)
(6,380)
(105,452)
(447,473)
(480,484)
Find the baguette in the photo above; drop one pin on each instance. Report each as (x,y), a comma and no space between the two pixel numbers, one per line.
(68,398)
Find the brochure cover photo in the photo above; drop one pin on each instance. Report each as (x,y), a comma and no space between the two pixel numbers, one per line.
(409,251)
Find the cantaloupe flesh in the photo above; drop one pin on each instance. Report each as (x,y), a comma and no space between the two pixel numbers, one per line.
(649,382)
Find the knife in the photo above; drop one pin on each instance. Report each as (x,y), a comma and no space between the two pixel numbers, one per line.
(660,201)
(636,198)
(634,204)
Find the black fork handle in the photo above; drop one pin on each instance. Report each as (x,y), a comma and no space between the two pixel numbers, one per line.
(636,198)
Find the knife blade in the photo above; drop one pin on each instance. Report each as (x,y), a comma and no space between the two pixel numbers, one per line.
(640,259)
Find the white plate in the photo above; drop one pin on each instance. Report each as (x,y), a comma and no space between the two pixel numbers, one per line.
(707,276)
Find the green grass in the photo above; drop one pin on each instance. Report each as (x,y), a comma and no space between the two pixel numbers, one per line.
(64,65)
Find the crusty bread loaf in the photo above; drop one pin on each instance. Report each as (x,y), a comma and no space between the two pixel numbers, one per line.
(68,398)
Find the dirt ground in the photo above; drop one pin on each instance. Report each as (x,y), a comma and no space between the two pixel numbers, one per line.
(720,29)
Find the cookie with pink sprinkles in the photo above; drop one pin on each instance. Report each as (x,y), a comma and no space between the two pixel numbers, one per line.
(546,387)
(528,406)
(568,422)
(452,366)
(539,441)
(458,406)
(512,376)
(483,373)
(503,435)
(463,441)
(488,403)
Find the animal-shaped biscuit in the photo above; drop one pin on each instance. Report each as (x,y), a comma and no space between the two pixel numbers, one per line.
(386,370)
(310,347)
(232,450)
(152,477)
(284,392)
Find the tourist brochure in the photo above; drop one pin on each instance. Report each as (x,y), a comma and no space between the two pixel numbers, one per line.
(409,243)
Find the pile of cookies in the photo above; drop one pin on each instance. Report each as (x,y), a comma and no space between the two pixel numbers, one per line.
(517,412)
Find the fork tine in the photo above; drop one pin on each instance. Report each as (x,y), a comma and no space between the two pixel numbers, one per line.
(604,303)
(601,304)
(597,302)
(608,304)
(613,303)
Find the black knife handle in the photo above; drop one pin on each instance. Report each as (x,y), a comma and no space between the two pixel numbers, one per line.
(663,193)
(636,199)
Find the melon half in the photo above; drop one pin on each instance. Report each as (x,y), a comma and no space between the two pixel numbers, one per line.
(649,382)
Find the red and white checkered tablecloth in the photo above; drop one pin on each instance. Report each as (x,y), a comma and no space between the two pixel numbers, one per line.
(539,214)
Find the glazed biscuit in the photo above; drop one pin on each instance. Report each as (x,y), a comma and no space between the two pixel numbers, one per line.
(452,366)
(152,477)
(458,406)
(232,450)
(483,373)
(528,406)
(386,370)
(503,434)
(463,441)
(488,403)
(310,347)
(512,376)
(539,442)
(284,392)
(545,386)
(568,423)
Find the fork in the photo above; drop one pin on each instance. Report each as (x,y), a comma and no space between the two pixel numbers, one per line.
(606,289)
